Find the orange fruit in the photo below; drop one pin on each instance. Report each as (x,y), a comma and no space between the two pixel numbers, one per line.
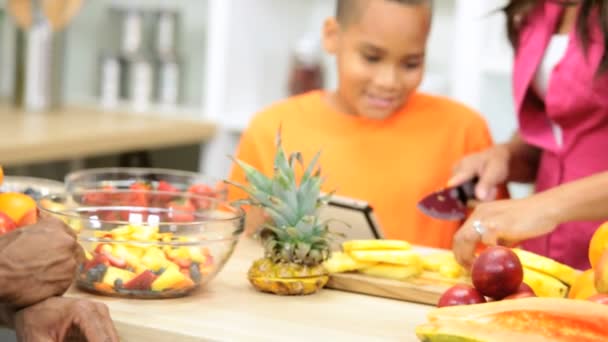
(599,243)
(1,175)
(584,286)
(16,205)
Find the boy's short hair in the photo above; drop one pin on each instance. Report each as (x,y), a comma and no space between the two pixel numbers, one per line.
(348,10)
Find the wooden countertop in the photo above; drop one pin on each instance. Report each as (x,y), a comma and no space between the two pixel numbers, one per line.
(230,309)
(76,132)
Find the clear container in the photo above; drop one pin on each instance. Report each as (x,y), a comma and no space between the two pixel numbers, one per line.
(148,244)
(127,177)
(31,186)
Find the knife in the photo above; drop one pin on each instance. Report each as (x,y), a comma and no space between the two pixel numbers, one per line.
(449,203)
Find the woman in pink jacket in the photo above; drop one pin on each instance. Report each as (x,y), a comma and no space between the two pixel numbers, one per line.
(560,82)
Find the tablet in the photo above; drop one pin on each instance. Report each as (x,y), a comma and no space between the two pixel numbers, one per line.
(357,214)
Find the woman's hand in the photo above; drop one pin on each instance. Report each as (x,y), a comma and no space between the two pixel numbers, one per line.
(37,262)
(503,222)
(490,166)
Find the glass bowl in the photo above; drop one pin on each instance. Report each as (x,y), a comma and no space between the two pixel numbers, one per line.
(31,186)
(146,178)
(148,244)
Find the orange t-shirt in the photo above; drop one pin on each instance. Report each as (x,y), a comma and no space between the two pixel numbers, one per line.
(391,163)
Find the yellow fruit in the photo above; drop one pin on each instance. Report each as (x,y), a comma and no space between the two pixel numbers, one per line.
(583,286)
(399,257)
(353,245)
(397,272)
(601,274)
(598,244)
(170,278)
(432,262)
(289,287)
(154,259)
(113,273)
(539,263)
(15,205)
(451,270)
(286,278)
(544,285)
(196,255)
(342,262)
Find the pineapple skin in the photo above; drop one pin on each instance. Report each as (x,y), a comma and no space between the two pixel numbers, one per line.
(286,279)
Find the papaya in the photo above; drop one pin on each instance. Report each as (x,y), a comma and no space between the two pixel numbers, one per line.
(524,319)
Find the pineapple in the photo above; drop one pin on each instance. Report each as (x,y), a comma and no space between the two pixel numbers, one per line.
(295,243)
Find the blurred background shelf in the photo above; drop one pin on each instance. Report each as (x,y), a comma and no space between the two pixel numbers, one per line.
(77,132)
(236,57)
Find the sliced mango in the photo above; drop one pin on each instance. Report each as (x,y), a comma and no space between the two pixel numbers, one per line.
(170,278)
(113,273)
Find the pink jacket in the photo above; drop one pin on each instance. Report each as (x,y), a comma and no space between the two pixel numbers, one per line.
(577,100)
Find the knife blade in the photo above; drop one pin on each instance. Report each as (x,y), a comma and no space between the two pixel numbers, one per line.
(449,203)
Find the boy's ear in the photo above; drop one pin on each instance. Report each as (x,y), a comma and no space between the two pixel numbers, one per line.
(331,30)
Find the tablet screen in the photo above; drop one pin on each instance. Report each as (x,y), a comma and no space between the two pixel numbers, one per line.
(357,214)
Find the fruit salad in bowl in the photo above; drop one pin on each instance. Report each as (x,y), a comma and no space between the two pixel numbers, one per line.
(147,244)
(133,178)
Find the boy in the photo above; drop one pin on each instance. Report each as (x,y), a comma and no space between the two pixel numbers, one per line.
(381,141)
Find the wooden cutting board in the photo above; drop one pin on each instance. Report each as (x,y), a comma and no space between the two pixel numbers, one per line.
(425,289)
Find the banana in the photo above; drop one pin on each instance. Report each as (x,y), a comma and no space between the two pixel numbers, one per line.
(544,285)
(342,262)
(397,272)
(353,245)
(399,257)
(564,273)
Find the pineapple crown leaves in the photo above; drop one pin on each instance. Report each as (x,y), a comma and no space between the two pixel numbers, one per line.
(284,201)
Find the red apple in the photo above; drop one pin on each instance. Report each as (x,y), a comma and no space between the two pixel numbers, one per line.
(460,294)
(600,298)
(497,272)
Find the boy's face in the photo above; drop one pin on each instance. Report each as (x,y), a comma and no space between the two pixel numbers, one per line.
(380,56)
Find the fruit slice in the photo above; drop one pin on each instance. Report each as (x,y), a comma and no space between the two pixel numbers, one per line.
(6,223)
(353,245)
(583,286)
(342,262)
(399,257)
(433,262)
(142,281)
(544,285)
(16,205)
(113,273)
(397,272)
(525,319)
(564,273)
(170,278)
(598,244)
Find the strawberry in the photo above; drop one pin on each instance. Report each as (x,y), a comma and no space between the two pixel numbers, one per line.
(97,197)
(142,281)
(165,186)
(181,211)
(6,223)
(98,258)
(202,190)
